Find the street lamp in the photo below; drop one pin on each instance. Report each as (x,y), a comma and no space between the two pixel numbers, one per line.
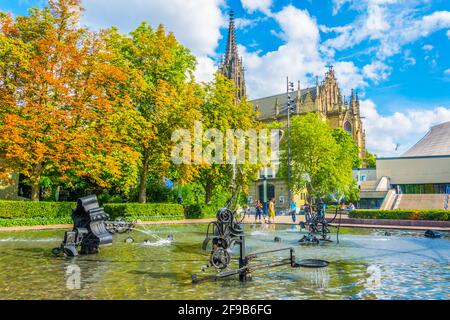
(290,109)
(265,192)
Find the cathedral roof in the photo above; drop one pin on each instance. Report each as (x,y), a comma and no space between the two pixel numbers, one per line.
(266,105)
(435,143)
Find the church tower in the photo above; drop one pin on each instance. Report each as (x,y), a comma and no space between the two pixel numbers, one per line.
(231,66)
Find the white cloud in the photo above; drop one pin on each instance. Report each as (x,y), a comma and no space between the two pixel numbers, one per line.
(448,34)
(196,23)
(377,71)
(408,58)
(447,72)
(387,25)
(298,57)
(254,5)
(383,132)
(427,47)
(349,77)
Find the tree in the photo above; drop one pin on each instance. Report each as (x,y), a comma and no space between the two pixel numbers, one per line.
(371,160)
(220,111)
(319,163)
(58,95)
(163,92)
(348,148)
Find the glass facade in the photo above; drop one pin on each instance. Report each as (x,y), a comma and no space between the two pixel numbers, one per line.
(428,188)
(368,203)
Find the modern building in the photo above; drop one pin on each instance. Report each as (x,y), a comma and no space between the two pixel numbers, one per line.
(418,179)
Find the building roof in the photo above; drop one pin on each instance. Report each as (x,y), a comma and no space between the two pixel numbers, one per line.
(435,143)
(266,105)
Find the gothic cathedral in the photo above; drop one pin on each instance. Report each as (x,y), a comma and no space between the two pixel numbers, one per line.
(324,98)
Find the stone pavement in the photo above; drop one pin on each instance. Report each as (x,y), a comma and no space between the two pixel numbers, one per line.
(286,220)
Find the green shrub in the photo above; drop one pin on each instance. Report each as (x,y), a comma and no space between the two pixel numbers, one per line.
(31,209)
(439,215)
(34,222)
(146,211)
(196,211)
(29,213)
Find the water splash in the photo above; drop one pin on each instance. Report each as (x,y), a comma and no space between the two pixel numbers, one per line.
(159,243)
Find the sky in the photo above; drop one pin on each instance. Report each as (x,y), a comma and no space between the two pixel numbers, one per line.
(395,53)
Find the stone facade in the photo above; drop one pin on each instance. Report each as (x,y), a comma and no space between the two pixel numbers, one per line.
(326,100)
(9,189)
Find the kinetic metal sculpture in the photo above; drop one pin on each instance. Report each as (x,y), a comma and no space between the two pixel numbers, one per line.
(89,229)
(225,233)
(317,225)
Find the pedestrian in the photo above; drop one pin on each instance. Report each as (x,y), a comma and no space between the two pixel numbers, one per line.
(272,210)
(351,207)
(293,208)
(259,210)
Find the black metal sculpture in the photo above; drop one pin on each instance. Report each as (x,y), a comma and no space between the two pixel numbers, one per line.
(227,232)
(318,225)
(89,229)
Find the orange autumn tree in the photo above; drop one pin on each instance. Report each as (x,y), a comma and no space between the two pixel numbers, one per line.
(58,97)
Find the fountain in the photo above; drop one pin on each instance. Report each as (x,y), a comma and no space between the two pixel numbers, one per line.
(91,229)
(227,231)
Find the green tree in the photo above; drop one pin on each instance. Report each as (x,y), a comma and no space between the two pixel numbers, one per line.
(164,94)
(371,160)
(349,150)
(220,111)
(319,163)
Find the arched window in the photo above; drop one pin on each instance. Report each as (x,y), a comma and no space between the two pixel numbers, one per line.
(348,127)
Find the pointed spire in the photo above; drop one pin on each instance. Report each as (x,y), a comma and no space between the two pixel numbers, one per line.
(231,43)
(352,102)
(357,110)
(317,87)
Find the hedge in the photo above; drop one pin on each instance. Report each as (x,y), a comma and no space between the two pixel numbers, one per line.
(195,211)
(146,211)
(439,215)
(32,209)
(30,213)
(34,222)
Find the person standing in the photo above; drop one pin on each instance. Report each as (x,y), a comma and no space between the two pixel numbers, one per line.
(259,210)
(272,210)
(293,208)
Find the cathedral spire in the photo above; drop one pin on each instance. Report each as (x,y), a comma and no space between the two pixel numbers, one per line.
(232,66)
(231,43)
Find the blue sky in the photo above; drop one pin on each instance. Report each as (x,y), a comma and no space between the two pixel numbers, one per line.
(394,52)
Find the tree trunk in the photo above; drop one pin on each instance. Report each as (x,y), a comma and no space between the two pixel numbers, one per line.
(143,182)
(208,193)
(309,195)
(35,188)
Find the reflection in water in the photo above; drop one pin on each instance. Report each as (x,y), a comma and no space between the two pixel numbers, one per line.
(73,274)
(366,264)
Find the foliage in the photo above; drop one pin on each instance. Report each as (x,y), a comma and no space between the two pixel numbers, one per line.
(144,211)
(164,94)
(319,163)
(34,222)
(33,210)
(441,215)
(371,160)
(348,148)
(221,111)
(59,92)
